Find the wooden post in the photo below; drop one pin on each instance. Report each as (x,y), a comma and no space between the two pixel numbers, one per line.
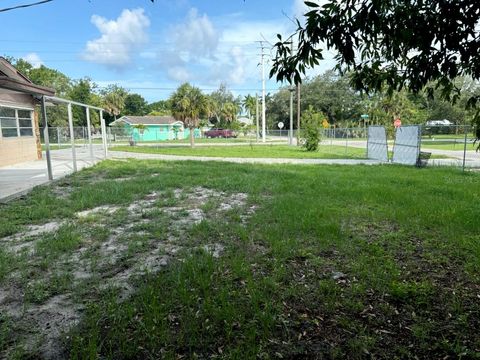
(36,129)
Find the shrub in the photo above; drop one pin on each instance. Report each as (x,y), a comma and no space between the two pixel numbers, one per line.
(310,133)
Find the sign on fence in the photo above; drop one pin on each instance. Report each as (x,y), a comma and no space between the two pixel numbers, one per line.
(407,145)
(377,148)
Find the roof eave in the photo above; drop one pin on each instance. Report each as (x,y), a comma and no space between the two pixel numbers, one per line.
(27,88)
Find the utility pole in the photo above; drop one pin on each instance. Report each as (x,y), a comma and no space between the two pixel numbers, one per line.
(290,131)
(298,115)
(256,116)
(263,92)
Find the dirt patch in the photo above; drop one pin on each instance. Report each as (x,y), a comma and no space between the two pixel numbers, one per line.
(128,252)
(34,230)
(104,209)
(233,201)
(24,241)
(215,249)
(55,317)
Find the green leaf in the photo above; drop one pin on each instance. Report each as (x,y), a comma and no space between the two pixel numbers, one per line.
(311,4)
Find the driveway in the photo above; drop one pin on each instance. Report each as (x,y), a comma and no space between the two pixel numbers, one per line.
(18,179)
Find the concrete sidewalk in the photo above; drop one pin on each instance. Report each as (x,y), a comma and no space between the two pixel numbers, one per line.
(18,179)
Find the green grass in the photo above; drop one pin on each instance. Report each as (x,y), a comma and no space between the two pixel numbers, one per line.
(457,145)
(240,139)
(254,151)
(336,262)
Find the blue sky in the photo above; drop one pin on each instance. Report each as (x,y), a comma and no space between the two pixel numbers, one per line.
(150,48)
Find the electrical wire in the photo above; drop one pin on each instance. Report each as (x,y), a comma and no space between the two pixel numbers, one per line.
(25,5)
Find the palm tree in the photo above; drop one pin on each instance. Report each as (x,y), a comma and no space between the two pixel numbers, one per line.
(250,104)
(114,100)
(229,112)
(188,104)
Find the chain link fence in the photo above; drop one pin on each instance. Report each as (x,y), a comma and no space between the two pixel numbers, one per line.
(452,142)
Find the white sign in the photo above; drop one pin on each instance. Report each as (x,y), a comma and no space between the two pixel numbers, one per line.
(281,125)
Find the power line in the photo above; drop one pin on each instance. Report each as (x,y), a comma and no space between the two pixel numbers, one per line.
(25,5)
(13,41)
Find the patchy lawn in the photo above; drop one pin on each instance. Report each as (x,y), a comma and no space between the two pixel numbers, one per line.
(147,259)
(448,144)
(253,151)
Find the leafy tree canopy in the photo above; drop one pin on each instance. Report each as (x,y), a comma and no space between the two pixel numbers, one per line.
(188,105)
(224,106)
(390,45)
(135,104)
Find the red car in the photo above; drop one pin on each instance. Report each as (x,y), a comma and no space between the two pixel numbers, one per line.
(220,133)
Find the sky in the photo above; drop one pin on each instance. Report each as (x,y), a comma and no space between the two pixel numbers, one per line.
(151,48)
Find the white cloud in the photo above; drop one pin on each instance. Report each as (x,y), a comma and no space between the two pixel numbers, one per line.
(33,59)
(194,44)
(119,39)
(299,8)
(221,50)
(197,36)
(179,73)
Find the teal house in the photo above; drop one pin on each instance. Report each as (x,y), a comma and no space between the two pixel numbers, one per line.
(152,128)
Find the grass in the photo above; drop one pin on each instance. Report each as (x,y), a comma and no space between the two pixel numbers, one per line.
(451,144)
(259,151)
(336,262)
(240,139)
(253,151)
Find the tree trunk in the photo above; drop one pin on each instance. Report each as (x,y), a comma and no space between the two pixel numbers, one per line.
(192,144)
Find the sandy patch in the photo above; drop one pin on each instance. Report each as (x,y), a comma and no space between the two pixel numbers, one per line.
(120,260)
(104,209)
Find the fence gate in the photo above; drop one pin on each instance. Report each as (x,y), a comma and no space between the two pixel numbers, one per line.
(407,144)
(377,148)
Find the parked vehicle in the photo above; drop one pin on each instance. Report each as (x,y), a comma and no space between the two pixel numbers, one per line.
(443,122)
(220,133)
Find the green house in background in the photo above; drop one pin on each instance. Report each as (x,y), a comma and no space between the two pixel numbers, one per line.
(156,128)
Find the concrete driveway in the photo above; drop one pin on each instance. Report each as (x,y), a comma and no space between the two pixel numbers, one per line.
(18,179)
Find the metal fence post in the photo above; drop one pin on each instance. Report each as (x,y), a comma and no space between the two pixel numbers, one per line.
(89,132)
(47,140)
(104,134)
(58,138)
(72,136)
(346,141)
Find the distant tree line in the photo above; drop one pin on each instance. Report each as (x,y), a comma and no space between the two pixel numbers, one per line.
(341,105)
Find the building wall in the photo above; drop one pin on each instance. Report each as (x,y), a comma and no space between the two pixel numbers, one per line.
(21,148)
(16,150)
(161,133)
